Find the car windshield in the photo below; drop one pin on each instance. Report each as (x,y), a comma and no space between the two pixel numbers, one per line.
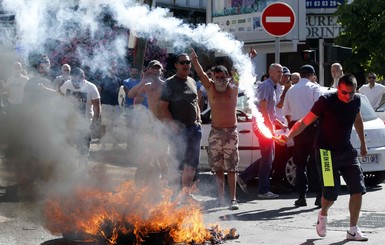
(367,112)
(381,108)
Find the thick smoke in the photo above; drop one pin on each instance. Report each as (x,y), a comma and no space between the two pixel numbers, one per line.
(41,22)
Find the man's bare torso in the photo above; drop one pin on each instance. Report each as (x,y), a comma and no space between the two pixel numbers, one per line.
(223,107)
(153,98)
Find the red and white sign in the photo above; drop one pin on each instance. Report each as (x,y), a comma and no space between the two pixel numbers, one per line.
(278,19)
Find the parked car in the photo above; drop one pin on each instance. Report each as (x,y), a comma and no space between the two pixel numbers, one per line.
(380,111)
(373,164)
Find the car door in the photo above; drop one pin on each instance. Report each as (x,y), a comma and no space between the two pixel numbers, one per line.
(247,145)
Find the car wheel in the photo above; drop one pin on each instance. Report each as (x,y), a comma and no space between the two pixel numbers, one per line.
(290,174)
(374,178)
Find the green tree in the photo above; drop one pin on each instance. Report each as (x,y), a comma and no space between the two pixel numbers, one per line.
(363,29)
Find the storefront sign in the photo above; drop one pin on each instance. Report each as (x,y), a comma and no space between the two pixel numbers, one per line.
(322,26)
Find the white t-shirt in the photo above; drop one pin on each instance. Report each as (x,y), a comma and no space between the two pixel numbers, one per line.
(374,94)
(300,99)
(83,95)
(15,89)
(278,111)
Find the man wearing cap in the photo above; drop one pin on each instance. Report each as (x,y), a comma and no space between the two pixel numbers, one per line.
(150,88)
(152,72)
(298,102)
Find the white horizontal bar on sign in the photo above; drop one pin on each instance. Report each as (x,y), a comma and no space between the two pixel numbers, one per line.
(278,19)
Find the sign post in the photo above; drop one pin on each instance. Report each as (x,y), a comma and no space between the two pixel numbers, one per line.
(278,19)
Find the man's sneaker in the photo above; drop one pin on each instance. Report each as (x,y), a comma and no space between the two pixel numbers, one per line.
(234,205)
(355,234)
(268,195)
(241,184)
(301,202)
(321,225)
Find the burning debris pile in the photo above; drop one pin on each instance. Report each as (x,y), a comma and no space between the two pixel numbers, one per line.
(129,215)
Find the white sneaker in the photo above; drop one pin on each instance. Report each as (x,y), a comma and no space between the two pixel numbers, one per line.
(234,205)
(355,234)
(268,195)
(321,225)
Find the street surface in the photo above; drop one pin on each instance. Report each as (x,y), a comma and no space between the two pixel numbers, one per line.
(257,221)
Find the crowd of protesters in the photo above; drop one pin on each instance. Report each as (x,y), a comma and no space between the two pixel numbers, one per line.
(286,101)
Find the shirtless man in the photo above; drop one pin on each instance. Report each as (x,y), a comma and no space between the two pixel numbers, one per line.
(223,139)
(152,89)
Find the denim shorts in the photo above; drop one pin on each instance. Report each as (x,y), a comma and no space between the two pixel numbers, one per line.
(346,164)
(192,136)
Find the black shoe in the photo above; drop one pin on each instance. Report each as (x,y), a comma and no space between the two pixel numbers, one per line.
(301,202)
(318,201)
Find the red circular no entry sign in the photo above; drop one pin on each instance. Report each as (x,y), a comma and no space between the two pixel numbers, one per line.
(278,19)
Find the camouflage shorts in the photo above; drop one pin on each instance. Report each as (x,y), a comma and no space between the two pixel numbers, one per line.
(223,149)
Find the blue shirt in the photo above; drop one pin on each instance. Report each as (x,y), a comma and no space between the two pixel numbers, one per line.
(129,84)
(267,91)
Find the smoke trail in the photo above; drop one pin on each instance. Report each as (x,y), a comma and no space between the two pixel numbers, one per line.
(41,22)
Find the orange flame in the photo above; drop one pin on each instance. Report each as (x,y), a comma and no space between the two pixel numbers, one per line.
(127,209)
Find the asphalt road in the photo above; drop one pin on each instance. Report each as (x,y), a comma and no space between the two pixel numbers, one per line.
(257,221)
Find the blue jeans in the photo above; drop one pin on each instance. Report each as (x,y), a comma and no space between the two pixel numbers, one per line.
(189,151)
(261,167)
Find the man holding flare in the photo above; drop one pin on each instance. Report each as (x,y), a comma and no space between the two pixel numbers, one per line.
(337,113)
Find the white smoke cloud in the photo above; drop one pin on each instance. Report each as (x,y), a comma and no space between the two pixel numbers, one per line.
(41,21)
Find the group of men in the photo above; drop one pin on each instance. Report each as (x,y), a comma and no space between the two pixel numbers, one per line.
(320,125)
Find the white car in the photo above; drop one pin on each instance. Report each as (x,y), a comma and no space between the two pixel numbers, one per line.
(373,164)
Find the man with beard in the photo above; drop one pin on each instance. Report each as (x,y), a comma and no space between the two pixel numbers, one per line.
(223,139)
(179,108)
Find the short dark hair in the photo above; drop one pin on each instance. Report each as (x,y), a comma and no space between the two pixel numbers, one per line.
(221,68)
(77,72)
(180,55)
(348,79)
(35,59)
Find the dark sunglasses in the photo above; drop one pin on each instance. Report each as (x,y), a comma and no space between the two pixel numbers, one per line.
(372,77)
(345,92)
(184,62)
